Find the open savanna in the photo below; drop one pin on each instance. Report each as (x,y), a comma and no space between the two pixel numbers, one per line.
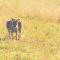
(40,33)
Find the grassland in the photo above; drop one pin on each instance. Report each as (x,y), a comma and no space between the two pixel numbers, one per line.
(40,37)
(40,40)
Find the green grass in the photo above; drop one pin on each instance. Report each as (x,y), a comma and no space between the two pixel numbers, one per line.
(39,40)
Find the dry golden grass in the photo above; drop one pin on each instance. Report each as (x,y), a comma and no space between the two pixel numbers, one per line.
(40,37)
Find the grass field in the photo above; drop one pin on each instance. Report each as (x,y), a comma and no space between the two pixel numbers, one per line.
(40,37)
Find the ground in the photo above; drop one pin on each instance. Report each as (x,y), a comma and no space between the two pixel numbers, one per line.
(39,40)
